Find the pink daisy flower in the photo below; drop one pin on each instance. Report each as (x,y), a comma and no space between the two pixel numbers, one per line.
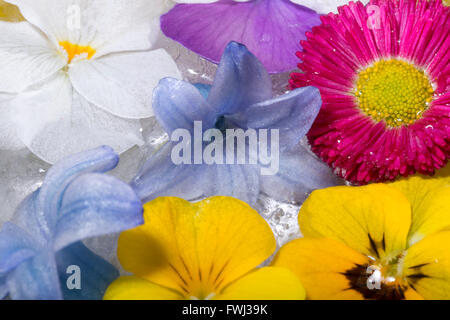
(383,72)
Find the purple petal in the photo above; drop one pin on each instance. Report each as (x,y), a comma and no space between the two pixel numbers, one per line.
(271,29)
(94,205)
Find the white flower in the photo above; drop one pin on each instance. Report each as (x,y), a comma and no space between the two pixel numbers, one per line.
(79,74)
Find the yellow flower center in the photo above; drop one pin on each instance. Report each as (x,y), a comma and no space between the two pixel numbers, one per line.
(447,2)
(201,289)
(74,50)
(381,279)
(394,91)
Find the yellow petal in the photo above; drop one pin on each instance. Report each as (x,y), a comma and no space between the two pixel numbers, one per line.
(412,294)
(134,288)
(321,264)
(433,217)
(373,220)
(427,266)
(429,202)
(9,12)
(267,283)
(418,187)
(198,248)
(330,270)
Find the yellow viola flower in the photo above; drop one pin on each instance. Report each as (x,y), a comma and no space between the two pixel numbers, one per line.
(206,250)
(9,12)
(381,241)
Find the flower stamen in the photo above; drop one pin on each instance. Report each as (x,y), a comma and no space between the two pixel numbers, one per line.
(74,50)
(394,91)
(376,281)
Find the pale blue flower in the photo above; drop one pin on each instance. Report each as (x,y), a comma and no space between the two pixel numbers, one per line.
(76,201)
(240,98)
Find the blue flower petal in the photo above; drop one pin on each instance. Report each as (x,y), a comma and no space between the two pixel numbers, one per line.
(238,181)
(161,177)
(204,89)
(94,205)
(35,279)
(30,220)
(95,273)
(299,174)
(73,203)
(292,114)
(62,174)
(177,104)
(241,81)
(16,246)
(3,287)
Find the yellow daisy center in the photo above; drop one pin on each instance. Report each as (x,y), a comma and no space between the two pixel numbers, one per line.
(394,91)
(74,50)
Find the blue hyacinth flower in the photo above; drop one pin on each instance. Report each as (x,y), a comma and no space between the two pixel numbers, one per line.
(41,247)
(240,98)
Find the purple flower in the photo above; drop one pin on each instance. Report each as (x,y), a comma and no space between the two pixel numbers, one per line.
(239,99)
(271,29)
(76,201)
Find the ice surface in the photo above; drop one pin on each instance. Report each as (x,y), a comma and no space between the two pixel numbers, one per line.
(282,218)
(21,173)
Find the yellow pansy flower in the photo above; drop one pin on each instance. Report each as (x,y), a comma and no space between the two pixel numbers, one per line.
(9,12)
(381,241)
(206,250)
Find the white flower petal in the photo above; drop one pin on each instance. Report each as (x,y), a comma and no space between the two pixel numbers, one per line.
(106,25)
(8,135)
(324,6)
(41,105)
(54,121)
(86,128)
(122,84)
(25,57)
